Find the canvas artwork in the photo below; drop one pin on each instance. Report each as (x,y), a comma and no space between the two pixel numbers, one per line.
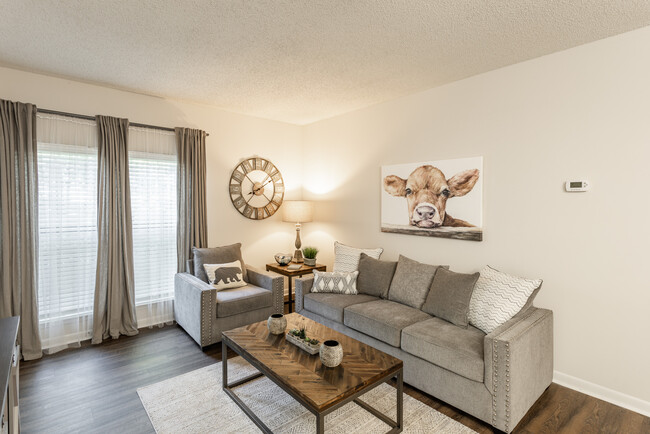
(434,198)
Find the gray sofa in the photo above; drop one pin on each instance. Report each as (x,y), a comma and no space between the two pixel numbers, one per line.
(495,377)
(204,312)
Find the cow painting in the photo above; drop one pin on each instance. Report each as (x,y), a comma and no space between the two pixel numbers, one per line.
(426,191)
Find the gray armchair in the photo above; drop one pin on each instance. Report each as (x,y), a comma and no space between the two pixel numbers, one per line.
(205,312)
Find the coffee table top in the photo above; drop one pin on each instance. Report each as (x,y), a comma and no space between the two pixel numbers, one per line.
(304,374)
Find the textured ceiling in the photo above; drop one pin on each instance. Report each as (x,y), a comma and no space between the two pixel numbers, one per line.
(292,60)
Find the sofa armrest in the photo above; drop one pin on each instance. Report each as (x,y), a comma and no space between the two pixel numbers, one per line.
(518,365)
(194,306)
(271,282)
(302,286)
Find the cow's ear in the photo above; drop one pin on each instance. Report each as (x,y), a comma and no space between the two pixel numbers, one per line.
(395,185)
(462,183)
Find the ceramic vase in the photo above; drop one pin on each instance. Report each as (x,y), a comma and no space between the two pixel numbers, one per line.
(331,353)
(277,324)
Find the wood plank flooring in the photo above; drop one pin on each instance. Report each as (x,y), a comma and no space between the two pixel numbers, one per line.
(93,390)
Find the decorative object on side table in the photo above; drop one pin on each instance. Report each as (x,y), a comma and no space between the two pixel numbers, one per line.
(300,339)
(331,353)
(310,255)
(277,324)
(283,258)
(298,212)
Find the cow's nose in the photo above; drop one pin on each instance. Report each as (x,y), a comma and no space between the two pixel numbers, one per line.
(425,212)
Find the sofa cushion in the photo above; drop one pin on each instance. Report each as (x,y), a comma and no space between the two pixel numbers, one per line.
(337,282)
(216,255)
(244,299)
(375,276)
(497,297)
(451,347)
(331,306)
(346,258)
(382,319)
(449,296)
(225,276)
(411,282)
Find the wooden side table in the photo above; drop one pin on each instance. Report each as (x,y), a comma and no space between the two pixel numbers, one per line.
(304,269)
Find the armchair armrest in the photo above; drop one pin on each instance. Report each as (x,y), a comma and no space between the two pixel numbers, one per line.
(194,306)
(518,365)
(302,286)
(272,283)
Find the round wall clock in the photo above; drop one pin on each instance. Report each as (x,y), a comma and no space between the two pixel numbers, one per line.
(256,188)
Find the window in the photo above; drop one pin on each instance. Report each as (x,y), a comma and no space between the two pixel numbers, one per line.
(152,173)
(67,217)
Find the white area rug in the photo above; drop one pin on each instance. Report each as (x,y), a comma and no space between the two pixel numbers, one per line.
(195,403)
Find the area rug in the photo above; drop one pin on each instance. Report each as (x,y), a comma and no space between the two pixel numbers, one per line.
(195,403)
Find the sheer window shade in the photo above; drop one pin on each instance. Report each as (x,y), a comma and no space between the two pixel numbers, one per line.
(67,246)
(152,171)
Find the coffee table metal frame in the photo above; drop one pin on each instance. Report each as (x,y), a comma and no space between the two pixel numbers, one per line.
(226,343)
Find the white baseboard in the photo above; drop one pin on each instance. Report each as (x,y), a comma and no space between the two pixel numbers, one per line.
(600,392)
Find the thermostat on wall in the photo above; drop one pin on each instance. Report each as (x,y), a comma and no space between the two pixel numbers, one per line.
(576,186)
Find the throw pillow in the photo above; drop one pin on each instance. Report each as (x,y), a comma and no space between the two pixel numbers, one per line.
(217,255)
(375,276)
(411,282)
(449,296)
(346,258)
(225,276)
(335,282)
(498,297)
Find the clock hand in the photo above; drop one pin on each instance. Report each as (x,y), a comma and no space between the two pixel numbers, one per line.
(255,190)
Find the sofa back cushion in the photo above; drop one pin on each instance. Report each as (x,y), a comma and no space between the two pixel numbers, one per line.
(411,282)
(449,296)
(375,276)
(217,255)
(497,297)
(346,258)
(335,282)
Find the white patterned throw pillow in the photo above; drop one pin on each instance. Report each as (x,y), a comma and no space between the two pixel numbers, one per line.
(335,282)
(346,258)
(497,297)
(225,276)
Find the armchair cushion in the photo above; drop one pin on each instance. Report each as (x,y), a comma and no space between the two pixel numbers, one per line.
(217,255)
(244,299)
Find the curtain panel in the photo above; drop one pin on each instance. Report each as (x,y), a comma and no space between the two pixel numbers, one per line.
(114,307)
(19,222)
(192,229)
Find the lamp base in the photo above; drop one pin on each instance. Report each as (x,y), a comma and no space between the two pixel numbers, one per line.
(297,257)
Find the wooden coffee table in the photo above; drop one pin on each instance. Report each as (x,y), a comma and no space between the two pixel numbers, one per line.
(319,389)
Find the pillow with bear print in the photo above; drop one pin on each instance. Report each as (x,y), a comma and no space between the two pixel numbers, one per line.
(225,276)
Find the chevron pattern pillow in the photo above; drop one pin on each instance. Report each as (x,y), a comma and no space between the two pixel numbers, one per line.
(497,297)
(346,258)
(335,282)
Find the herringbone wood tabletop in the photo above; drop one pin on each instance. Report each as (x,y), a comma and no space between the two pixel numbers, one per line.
(304,374)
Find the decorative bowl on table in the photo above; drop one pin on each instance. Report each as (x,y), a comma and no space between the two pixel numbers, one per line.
(283,258)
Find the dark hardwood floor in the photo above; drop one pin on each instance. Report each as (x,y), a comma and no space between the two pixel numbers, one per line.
(93,389)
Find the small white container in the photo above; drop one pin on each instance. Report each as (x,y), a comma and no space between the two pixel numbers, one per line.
(331,353)
(277,324)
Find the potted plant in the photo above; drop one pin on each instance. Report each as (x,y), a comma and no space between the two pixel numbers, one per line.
(309,254)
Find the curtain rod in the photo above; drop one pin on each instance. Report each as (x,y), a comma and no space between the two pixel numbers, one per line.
(92,118)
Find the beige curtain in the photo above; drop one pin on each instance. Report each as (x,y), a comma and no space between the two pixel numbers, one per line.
(114,309)
(192,229)
(19,222)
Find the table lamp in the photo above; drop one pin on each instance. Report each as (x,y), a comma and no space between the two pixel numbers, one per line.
(297,211)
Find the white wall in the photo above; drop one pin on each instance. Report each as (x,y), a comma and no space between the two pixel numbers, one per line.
(579,114)
(232,138)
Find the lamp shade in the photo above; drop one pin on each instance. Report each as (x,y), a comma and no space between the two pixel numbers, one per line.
(297,211)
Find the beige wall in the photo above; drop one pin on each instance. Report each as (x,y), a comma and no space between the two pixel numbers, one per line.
(232,137)
(579,114)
